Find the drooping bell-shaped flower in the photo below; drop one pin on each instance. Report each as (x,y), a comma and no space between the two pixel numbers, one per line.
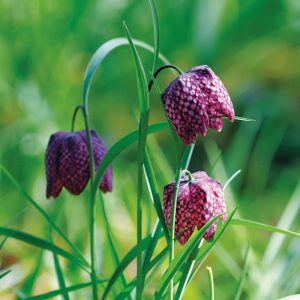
(195,101)
(198,201)
(67,162)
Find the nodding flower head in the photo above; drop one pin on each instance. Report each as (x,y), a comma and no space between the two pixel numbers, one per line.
(199,200)
(195,101)
(67,162)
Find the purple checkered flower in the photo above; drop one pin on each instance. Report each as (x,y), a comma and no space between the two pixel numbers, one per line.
(67,163)
(198,201)
(195,101)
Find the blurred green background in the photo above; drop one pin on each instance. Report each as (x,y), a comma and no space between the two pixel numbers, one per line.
(254,47)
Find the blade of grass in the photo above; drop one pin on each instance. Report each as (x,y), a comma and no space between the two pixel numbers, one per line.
(121,145)
(68,289)
(240,285)
(100,55)
(110,239)
(44,214)
(29,282)
(156,33)
(188,267)
(207,247)
(180,258)
(4,274)
(262,226)
(3,242)
(42,244)
(211,284)
(154,194)
(127,259)
(143,125)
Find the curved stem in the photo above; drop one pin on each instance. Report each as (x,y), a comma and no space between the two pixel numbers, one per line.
(78,107)
(92,200)
(186,171)
(155,74)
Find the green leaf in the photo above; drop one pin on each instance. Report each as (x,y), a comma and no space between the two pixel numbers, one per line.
(128,258)
(211,284)
(102,52)
(43,213)
(121,145)
(180,258)
(60,291)
(242,278)
(40,243)
(4,274)
(262,226)
(155,32)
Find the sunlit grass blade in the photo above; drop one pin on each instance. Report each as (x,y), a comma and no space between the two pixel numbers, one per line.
(100,55)
(180,258)
(127,259)
(42,244)
(155,32)
(58,292)
(240,285)
(211,289)
(231,178)
(43,213)
(262,226)
(4,274)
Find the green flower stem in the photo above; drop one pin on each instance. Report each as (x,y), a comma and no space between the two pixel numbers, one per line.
(110,240)
(92,204)
(184,162)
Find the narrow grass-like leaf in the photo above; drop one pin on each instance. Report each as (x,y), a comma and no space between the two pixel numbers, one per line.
(44,214)
(180,258)
(143,126)
(207,247)
(262,226)
(128,258)
(29,282)
(231,178)
(155,32)
(239,287)
(211,283)
(68,289)
(100,55)
(153,190)
(3,242)
(121,145)
(188,267)
(40,243)
(4,274)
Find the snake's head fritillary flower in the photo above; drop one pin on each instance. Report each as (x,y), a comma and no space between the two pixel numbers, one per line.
(67,162)
(195,101)
(198,201)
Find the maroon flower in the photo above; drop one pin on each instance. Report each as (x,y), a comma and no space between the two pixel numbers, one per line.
(198,201)
(195,101)
(67,163)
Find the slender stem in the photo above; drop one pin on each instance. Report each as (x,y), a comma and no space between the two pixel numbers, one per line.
(211,283)
(92,203)
(78,107)
(155,74)
(186,171)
